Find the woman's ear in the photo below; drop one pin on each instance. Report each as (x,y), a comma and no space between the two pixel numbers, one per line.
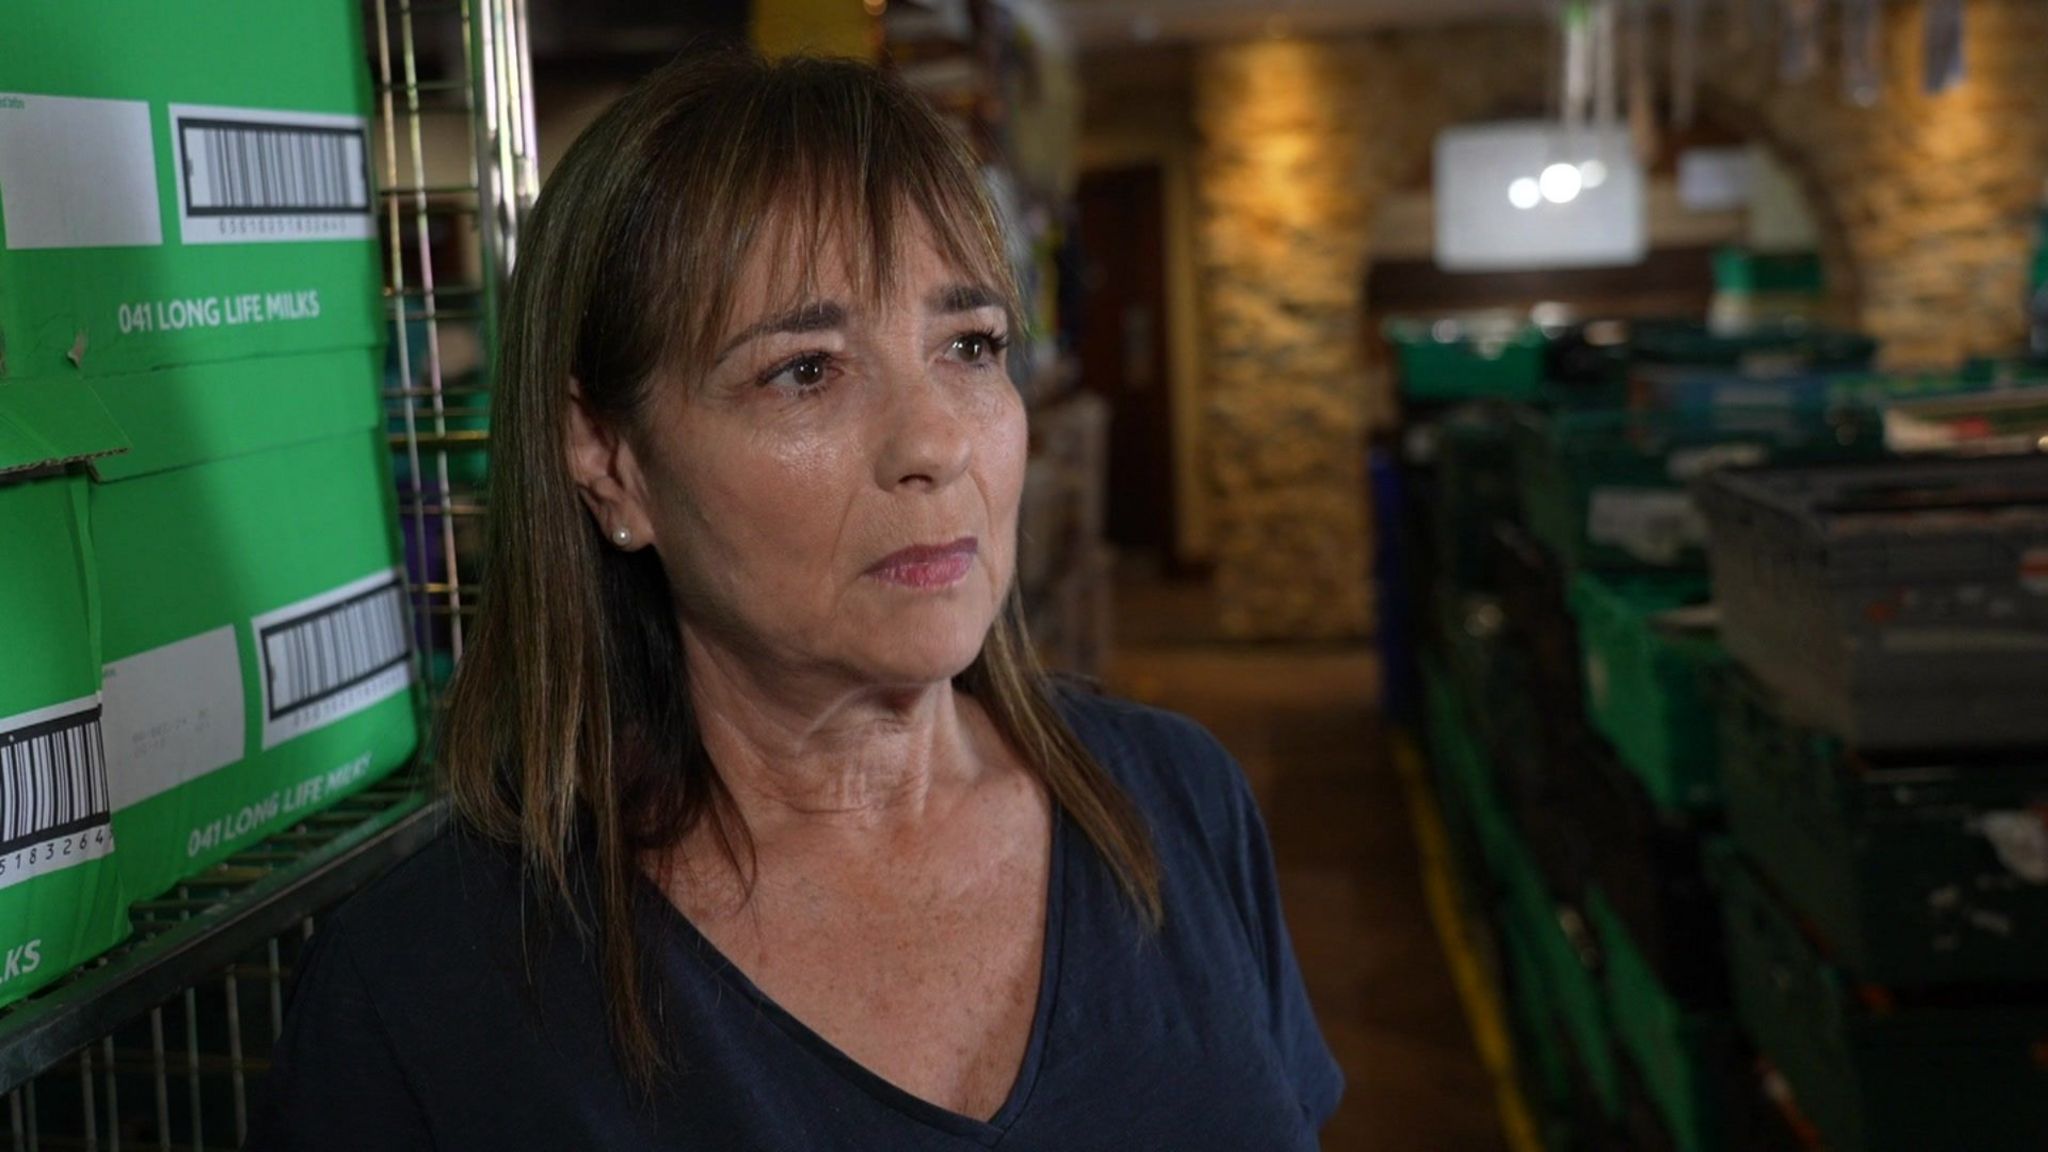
(607,474)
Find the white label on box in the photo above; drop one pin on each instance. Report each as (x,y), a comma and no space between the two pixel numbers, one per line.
(77,173)
(54,807)
(173,715)
(1654,525)
(332,656)
(252,176)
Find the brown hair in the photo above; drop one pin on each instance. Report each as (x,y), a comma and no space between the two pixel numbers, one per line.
(569,732)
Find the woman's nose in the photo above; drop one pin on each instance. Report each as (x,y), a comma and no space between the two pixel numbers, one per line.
(926,442)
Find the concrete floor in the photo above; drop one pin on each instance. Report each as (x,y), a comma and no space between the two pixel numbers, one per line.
(1302,722)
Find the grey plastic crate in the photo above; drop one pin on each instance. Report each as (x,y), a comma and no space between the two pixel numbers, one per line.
(1902,606)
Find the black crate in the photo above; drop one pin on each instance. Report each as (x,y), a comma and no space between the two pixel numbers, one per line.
(1535,600)
(1652,867)
(1641,1128)
(1461,477)
(1546,798)
(1895,865)
(1878,1071)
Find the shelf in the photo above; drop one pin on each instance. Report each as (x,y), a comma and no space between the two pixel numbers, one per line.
(253,896)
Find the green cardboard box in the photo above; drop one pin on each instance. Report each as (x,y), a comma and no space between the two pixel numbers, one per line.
(183,182)
(257,645)
(61,898)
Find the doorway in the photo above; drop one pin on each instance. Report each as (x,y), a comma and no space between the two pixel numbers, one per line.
(1123,350)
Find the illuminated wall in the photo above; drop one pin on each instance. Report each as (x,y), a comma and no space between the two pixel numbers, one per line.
(1926,207)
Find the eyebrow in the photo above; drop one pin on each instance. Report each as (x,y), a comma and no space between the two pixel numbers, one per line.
(963,298)
(818,316)
(826,315)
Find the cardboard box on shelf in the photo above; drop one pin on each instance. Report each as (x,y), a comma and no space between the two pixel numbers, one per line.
(257,642)
(183,183)
(61,898)
(257,647)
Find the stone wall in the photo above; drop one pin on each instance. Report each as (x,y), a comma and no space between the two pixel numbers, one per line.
(1927,202)
(1926,206)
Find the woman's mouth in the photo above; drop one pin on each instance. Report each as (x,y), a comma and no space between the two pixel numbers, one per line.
(927,567)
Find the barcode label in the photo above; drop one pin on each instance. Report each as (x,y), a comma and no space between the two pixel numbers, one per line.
(332,656)
(54,809)
(266,169)
(246,175)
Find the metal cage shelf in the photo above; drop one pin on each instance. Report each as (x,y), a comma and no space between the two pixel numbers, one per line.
(159,1043)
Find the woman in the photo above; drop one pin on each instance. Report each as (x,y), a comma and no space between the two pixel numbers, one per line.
(769,833)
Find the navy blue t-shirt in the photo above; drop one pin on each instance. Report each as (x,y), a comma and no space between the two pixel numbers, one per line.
(413,1025)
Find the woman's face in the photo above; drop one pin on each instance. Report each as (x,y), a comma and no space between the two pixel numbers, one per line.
(837,492)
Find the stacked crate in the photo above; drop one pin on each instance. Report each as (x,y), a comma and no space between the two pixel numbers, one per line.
(1569,687)
(1886,766)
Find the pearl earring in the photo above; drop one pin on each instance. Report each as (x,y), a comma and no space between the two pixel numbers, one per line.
(622,536)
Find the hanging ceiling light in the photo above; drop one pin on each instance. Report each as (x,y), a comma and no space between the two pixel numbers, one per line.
(1524,193)
(1560,183)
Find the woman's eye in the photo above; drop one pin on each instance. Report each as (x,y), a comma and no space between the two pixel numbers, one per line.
(804,374)
(976,347)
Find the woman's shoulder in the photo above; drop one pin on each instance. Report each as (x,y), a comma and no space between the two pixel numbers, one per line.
(1125,730)
(1172,768)
(435,907)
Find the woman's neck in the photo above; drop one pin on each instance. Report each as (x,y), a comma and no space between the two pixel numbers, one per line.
(804,756)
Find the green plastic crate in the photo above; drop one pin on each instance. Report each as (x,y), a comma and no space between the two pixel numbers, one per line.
(1565,953)
(1683,1057)
(1877,1076)
(1898,868)
(1479,661)
(1648,651)
(1882,389)
(1465,788)
(1695,388)
(2005,372)
(1606,489)
(1446,361)
(1767,347)
(1565,1109)
(1539,1056)
(1775,273)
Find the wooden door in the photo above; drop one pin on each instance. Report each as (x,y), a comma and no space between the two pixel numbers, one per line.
(1123,349)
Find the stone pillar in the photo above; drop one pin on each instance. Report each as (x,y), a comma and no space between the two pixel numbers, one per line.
(1297,141)
(1281,228)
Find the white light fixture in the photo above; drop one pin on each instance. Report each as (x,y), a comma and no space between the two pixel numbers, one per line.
(1560,183)
(1592,174)
(1492,214)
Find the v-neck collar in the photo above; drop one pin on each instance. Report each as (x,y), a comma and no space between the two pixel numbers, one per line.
(986,1132)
